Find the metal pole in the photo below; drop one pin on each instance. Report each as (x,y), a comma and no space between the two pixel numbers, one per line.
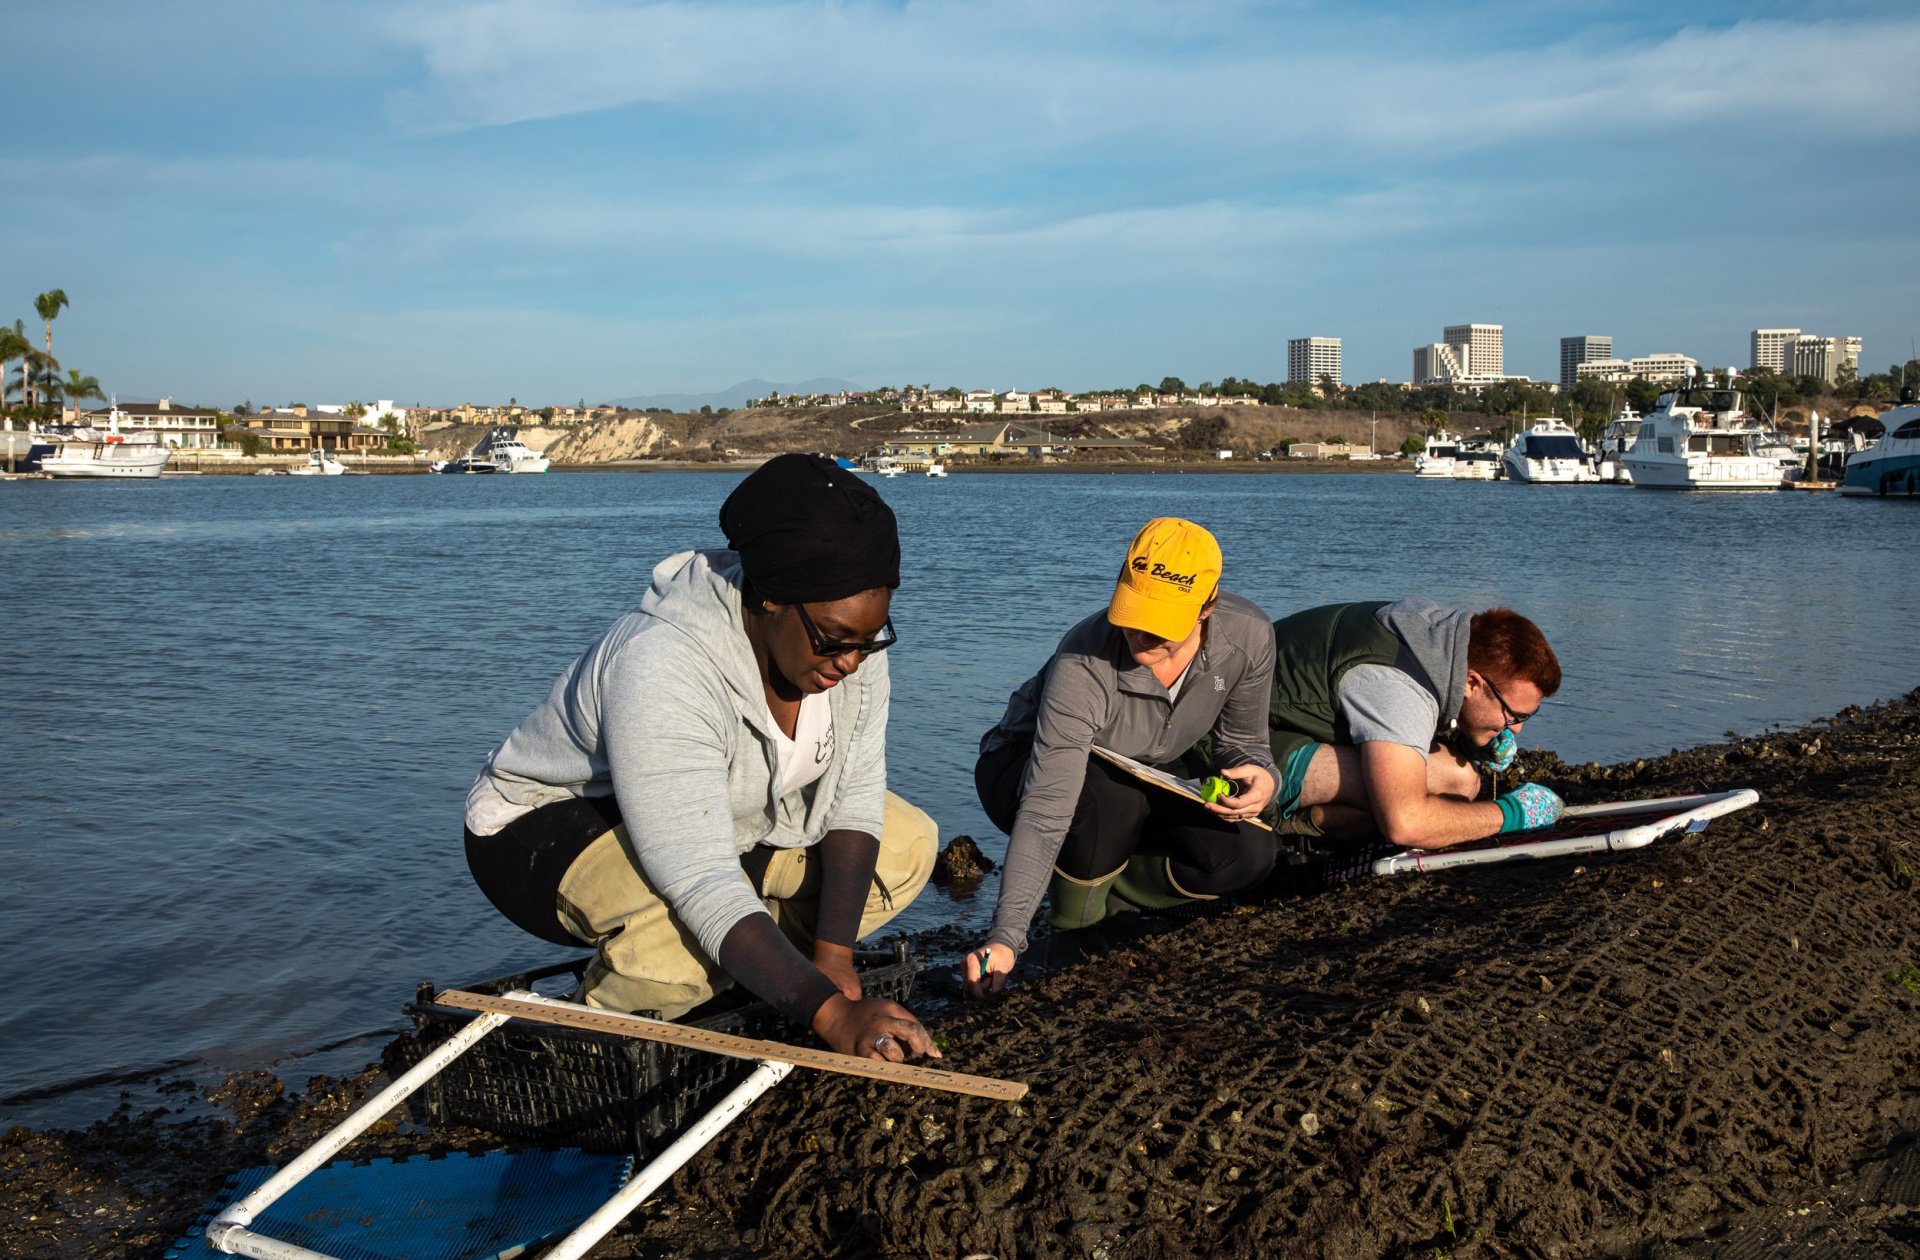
(1813,446)
(667,1163)
(234,1220)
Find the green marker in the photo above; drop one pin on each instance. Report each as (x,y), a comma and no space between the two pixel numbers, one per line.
(1214,789)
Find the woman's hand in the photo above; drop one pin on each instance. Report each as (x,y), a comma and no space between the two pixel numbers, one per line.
(872,1028)
(837,962)
(986,970)
(1255,790)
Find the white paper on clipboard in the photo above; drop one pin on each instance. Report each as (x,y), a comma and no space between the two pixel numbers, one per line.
(1189,788)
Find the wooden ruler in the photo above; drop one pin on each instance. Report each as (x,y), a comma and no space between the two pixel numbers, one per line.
(547,1011)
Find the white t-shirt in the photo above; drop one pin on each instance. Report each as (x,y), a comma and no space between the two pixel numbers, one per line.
(804,758)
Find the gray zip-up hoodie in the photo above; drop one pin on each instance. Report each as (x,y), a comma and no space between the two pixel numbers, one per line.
(667,713)
(1433,649)
(1093,692)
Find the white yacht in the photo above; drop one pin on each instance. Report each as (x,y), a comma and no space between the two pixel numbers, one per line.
(511,455)
(321,462)
(1699,437)
(1477,459)
(936,470)
(1549,453)
(1892,464)
(1610,454)
(1443,450)
(86,452)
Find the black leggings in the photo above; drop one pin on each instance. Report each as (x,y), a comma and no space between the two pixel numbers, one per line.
(1118,816)
(520,866)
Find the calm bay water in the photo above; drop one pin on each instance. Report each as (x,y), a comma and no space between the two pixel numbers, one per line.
(244,712)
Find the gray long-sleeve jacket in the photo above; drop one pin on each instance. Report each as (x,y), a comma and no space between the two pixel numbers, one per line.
(1092,692)
(667,713)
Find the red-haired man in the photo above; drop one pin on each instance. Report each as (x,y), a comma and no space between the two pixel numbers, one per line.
(1383,714)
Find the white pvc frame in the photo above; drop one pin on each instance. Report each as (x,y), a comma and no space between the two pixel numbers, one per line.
(1676,812)
(229,1232)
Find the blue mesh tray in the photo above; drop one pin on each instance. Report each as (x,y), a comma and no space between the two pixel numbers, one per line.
(491,1206)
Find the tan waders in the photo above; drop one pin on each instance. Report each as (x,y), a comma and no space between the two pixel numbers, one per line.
(648,959)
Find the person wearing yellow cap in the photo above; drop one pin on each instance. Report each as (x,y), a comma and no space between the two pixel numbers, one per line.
(1170,659)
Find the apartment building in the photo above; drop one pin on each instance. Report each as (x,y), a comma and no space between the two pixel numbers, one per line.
(1436,364)
(1824,357)
(1577,350)
(1309,359)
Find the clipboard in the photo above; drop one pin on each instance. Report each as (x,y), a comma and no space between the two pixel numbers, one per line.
(1189,788)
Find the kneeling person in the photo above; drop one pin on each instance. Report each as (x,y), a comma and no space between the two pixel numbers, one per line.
(1169,660)
(1383,714)
(702,797)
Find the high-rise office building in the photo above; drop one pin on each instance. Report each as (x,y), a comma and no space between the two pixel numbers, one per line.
(1577,350)
(1772,348)
(1478,347)
(1310,358)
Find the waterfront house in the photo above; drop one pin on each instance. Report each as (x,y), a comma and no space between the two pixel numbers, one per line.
(185,428)
(292,429)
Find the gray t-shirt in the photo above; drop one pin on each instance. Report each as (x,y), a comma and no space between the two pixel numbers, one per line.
(1386,704)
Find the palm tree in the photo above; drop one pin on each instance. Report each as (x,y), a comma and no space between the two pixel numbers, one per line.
(77,388)
(13,345)
(47,307)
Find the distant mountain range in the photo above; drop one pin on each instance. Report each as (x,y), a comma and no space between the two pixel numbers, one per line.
(735,395)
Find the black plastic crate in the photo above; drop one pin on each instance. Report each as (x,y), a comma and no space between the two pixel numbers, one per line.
(557,1086)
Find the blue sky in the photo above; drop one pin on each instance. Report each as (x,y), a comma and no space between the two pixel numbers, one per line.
(567,198)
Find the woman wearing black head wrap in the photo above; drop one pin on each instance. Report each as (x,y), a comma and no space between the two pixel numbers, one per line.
(702,797)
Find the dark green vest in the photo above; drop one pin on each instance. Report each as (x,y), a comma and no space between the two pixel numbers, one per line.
(1313,650)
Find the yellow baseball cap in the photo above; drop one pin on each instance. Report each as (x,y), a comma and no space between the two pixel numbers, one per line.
(1172,570)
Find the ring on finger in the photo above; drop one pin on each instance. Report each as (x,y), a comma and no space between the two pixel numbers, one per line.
(882,1041)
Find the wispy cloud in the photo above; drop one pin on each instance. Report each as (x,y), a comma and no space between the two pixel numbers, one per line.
(948,79)
(467,191)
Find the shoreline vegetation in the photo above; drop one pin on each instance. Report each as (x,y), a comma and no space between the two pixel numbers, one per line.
(1704,1046)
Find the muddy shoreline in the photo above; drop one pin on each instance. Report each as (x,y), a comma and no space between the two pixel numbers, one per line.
(1707,1047)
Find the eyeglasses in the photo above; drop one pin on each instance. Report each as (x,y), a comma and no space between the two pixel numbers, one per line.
(1513,719)
(829,648)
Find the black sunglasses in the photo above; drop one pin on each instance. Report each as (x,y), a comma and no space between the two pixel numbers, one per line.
(1513,719)
(829,648)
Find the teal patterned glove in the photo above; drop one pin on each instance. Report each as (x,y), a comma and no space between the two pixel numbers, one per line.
(1528,808)
(1500,752)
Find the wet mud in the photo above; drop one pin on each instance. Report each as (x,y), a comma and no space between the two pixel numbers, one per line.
(1703,1048)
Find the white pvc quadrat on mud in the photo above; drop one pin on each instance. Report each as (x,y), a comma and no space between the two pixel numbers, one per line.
(229,1232)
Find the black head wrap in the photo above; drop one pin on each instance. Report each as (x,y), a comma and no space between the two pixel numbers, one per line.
(809,531)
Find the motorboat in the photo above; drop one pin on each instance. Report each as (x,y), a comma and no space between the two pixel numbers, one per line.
(469,464)
(936,470)
(1610,453)
(1477,459)
(1437,460)
(1699,437)
(1549,453)
(82,451)
(510,455)
(321,462)
(1892,464)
